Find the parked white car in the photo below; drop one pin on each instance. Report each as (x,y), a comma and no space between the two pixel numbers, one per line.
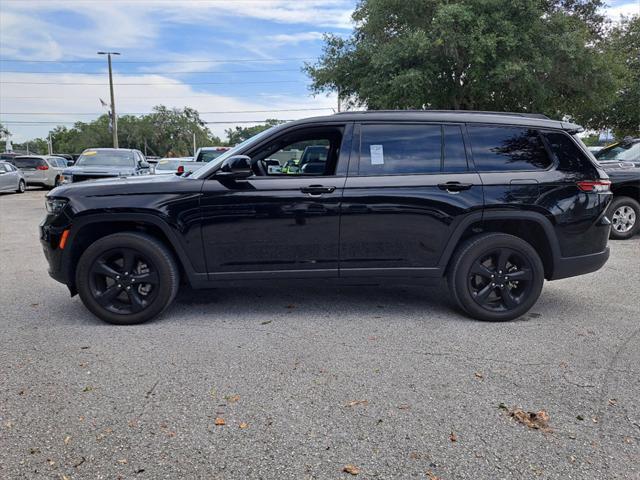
(11,179)
(42,170)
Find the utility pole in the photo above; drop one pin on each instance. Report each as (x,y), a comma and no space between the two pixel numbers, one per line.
(194,144)
(338,99)
(114,118)
(50,145)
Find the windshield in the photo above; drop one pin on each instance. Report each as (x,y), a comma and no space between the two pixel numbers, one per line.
(620,152)
(105,158)
(212,166)
(167,164)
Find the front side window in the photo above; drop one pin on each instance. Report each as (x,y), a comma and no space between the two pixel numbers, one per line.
(397,149)
(503,148)
(106,158)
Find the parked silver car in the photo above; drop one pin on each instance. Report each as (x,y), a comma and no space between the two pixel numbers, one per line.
(43,170)
(11,179)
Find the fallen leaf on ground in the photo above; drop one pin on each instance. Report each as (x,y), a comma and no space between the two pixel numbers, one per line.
(404,406)
(123,461)
(432,476)
(88,388)
(352,469)
(219,421)
(479,375)
(535,420)
(453,437)
(232,398)
(613,402)
(244,425)
(353,403)
(579,417)
(67,439)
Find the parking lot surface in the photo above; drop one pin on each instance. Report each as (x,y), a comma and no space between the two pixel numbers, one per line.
(307,381)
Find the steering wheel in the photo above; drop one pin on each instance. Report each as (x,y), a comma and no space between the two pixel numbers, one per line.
(260,168)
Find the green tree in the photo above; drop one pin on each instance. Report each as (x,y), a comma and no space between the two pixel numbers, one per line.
(530,56)
(240,134)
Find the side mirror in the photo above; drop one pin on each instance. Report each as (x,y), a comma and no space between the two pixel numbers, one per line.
(237,166)
(144,164)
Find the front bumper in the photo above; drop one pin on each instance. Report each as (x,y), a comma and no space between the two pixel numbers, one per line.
(572,266)
(50,240)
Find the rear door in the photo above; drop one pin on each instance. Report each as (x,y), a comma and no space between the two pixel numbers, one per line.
(7,177)
(408,189)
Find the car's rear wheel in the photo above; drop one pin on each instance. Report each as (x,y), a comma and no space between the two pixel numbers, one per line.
(127,278)
(22,186)
(56,182)
(495,277)
(624,213)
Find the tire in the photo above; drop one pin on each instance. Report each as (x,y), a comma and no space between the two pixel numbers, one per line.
(56,182)
(624,213)
(499,298)
(111,275)
(22,186)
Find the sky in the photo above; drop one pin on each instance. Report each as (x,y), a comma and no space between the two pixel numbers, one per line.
(232,60)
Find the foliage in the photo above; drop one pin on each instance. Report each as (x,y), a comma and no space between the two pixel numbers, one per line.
(4,133)
(240,134)
(531,56)
(166,132)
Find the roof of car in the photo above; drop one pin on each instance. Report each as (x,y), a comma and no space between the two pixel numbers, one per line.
(110,149)
(467,116)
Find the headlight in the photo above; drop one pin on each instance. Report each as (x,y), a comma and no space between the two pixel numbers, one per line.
(55,205)
(67,179)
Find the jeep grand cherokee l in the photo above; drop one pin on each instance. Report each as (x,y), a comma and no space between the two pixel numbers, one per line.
(493,203)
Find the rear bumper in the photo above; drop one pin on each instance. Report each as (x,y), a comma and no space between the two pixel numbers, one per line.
(572,266)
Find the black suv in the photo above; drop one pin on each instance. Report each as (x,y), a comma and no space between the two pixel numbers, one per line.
(493,202)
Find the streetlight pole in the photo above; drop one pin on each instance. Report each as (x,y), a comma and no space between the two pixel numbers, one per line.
(114,118)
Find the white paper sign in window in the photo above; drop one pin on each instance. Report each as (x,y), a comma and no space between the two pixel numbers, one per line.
(377,154)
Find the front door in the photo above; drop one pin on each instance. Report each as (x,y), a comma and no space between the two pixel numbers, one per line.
(284,220)
(410,188)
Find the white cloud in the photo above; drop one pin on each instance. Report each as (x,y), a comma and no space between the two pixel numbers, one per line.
(295,38)
(82,102)
(624,9)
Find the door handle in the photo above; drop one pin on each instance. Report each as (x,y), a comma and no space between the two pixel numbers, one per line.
(454,187)
(316,190)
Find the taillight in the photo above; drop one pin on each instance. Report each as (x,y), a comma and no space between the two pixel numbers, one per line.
(594,185)
(42,167)
(180,170)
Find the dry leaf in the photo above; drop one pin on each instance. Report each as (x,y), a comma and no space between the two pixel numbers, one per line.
(67,439)
(219,421)
(232,398)
(353,403)
(65,477)
(453,437)
(535,420)
(432,476)
(404,406)
(122,461)
(479,375)
(352,469)
(613,402)
(244,425)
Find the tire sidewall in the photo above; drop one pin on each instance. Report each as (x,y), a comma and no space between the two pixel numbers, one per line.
(22,186)
(478,248)
(616,204)
(146,245)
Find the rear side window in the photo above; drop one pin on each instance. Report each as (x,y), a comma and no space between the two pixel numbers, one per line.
(566,153)
(400,149)
(28,162)
(497,148)
(455,156)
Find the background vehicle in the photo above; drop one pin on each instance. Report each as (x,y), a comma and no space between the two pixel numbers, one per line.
(11,179)
(42,170)
(624,211)
(97,163)
(626,151)
(493,203)
(206,154)
(166,166)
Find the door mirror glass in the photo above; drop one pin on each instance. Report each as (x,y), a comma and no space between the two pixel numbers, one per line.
(236,166)
(144,164)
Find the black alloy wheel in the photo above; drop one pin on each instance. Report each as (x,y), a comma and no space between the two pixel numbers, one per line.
(495,277)
(127,278)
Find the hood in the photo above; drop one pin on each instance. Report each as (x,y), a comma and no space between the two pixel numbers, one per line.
(98,170)
(618,175)
(139,184)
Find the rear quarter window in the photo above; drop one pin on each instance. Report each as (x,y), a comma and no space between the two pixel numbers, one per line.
(568,156)
(504,148)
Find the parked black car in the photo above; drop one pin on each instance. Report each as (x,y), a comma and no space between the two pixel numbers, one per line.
(624,210)
(494,203)
(624,154)
(99,163)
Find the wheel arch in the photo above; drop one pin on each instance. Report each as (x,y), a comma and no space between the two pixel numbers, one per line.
(532,227)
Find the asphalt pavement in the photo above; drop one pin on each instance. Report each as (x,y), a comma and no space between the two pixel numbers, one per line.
(307,381)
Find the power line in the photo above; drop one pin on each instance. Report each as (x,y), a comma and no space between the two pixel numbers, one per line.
(178,72)
(163,61)
(65,97)
(157,83)
(149,113)
(18,122)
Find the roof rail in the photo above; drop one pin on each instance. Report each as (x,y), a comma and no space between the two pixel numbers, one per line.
(462,112)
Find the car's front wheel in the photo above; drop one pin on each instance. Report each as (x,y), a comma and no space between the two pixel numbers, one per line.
(127,278)
(22,186)
(495,277)
(624,213)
